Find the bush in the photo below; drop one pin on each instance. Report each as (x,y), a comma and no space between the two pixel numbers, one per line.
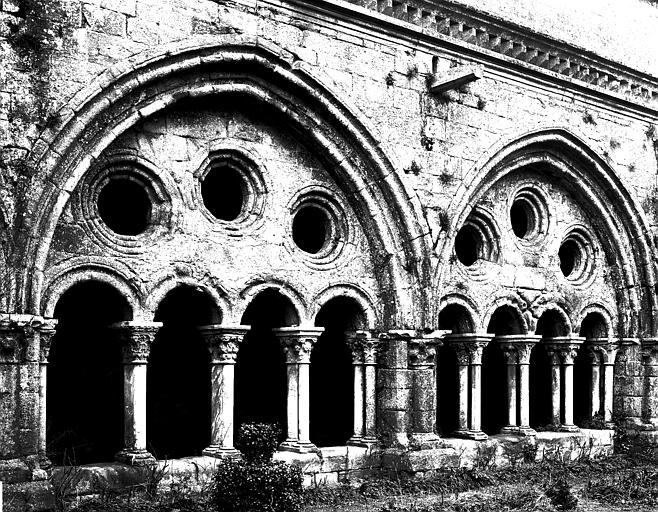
(258,441)
(246,486)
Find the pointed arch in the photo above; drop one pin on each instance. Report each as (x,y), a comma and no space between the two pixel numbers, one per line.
(627,242)
(145,84)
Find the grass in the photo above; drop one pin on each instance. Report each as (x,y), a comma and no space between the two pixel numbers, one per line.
(626,481)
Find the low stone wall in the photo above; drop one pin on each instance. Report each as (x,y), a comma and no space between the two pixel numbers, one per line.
(332,465)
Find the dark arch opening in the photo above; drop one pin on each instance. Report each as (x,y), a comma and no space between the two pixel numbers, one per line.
(583,408)
(505,322)
(260,370)
(456,318)
(178,377)
(551,324)
(332,382)
(594,326)
(448,391)
(85,376)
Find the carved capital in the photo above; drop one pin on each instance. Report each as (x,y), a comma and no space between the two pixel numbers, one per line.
(297,343)
(136,339)
(422,351)
(18,338)
(46,334)
(223,342)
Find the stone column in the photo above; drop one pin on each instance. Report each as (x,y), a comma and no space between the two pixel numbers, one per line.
(595,358)
(223,342)
(562,350)
(511,360)
(297,344)
(46,334)
(568,355)
(469,349)
(136,339)
(556,380)
(362,346)
(609,354)
(422,361)
(650,395)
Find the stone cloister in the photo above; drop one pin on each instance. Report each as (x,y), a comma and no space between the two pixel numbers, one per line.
(402,231)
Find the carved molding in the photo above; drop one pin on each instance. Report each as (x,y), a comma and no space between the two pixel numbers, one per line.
(512,41)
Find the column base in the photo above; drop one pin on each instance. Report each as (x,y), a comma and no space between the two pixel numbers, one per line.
(135,458)
(220,452)
(293,445)
(510,430)
(527,431)
(568,428)
(424,440)
(365,442)
(476,435)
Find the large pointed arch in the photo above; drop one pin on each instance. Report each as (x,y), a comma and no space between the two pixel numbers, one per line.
(627,240)
(145,84)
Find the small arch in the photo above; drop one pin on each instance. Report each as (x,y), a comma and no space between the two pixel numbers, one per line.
(592,320)
(294,307)
(357,295)
(63,277)
(552,323)
(260,370)
(178,377)
(85,375)
(456,318)
(219,304)
(506,320)
(331,381)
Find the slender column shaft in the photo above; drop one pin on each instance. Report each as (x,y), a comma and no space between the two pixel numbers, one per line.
(568,394)
(223,392)
(595,389)
(524,406)
(463,397)
(292,401)
(43,370)
(304,402)
(556,413)
(476,396)
(134,403)
(511,395)
(358,400)
(608,386)
(371,404)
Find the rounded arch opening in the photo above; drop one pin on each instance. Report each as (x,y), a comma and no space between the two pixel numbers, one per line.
(331,382)
(260,370)
(178,377)
(552,324)
(85,376)
(456,318)
(505,321)
(594,325)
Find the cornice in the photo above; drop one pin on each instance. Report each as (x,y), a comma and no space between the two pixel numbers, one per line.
(486,38)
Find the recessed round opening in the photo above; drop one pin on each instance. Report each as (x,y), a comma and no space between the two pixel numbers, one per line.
(570,255)
(310,229)
(124,206)
(223,191)
(521,218)
(467,245)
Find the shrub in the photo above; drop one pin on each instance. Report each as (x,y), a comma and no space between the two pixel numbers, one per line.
(561,496)
(258,441)
(257,486)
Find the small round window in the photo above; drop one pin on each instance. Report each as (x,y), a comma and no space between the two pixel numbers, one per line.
(124,206)
(311,229)
(576,256)
(468,244)
(528,215)
(224,191)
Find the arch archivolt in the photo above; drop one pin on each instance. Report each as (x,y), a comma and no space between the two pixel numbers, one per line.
(160,290)
(360,296)
(343,137)
(249,293)
(606,315)
(465,302)
(513,301)
(61,277)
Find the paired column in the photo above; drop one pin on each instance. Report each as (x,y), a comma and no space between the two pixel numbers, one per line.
(602,353)
(297,344)
(468,348)
(650,361)
(223,342)
(136,339)
(363,348)
(422,362)
(516,349)
(562,351)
